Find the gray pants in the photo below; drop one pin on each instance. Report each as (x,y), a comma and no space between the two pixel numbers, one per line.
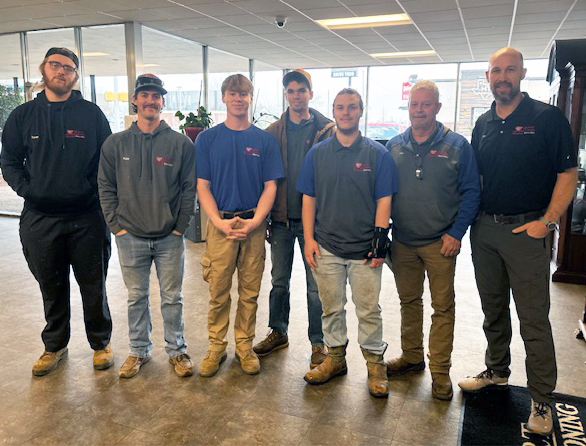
(504,261)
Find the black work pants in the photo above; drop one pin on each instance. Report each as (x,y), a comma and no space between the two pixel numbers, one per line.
(51,245)
(504,261)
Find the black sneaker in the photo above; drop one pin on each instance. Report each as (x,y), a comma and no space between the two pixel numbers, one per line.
(274,341)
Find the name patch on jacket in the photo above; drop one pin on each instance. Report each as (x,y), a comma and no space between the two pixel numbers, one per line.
(74,134)
(524,130)
(362,167)
(164,161)
(251,151)
(438,154)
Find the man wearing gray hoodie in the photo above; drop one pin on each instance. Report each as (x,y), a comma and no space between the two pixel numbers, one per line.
(146,181)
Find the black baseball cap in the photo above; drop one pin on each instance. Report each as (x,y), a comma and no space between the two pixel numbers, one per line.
(64,52)
(148,82)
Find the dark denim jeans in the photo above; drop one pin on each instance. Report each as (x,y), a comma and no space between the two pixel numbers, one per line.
(282,250)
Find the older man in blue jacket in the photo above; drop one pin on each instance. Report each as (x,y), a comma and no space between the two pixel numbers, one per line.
(438,198)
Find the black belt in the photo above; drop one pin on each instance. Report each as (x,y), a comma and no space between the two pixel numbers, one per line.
(244,215)
(520,218)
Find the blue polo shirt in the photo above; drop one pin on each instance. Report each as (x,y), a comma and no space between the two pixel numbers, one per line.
(237,163)
(346,182)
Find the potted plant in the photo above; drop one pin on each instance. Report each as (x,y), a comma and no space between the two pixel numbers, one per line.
(195,123)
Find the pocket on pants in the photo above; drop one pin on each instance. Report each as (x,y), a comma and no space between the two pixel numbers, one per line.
(206,265)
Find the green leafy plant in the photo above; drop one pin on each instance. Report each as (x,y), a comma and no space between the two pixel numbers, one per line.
(9,100)
(201,119)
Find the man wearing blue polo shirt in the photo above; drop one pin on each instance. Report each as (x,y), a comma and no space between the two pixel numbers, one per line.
(238,166)
(347,182)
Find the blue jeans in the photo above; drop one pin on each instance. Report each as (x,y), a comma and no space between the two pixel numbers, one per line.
(136,257)
(282,249)
(331,275)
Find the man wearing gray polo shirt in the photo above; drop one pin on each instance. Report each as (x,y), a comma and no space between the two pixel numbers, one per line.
(347,182)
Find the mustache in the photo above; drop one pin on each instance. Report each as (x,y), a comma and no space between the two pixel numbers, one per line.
(505,83)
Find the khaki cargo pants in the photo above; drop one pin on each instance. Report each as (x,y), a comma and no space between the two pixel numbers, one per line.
(219,261)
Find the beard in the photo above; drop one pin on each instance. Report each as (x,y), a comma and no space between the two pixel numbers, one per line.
(59,88)
(505,98)
(348,131)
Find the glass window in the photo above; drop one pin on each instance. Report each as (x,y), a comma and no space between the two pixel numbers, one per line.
(388,97)
(220,66)
(104,56)
(178,62)
(11,95)
(268,94)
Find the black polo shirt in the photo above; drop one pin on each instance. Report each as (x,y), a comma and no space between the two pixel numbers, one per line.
(519,157)
(346,182)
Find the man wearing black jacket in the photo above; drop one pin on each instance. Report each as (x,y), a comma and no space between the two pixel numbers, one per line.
(50,153)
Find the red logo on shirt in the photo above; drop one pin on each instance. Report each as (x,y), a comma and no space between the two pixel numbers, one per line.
(524,130)
(252,152)
(438,153)
(160,161)
(74,134)
(362,167)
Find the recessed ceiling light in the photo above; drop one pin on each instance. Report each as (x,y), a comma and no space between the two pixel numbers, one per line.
(95,54)
(366,22)
(405,54)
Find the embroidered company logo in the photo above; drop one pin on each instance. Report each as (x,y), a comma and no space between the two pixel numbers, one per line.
(362,167)
(74,134)
(160,161)
(438,154)
(35,136)
(524,130)
(252,152)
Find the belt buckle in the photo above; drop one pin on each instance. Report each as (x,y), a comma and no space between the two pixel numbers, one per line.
(497,218)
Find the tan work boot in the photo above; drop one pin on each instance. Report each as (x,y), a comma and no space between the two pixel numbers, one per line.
(378,384)
(334,365)
(318,355)
(210,364)
(132,365)
(104,359)
(248,361)
(48,362)
(182,365)
(398,366)
(441,387)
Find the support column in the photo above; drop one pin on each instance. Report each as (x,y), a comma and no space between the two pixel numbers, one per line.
(133,36)
(205,59)
(79,51)
(26,73)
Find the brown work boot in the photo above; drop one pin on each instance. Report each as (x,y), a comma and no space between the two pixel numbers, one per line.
(182,364)
(248,361)
(132,365)
(441,387)
(378,384)
(274,341)
(318,355)
(104,358)
(48,362)
(398,366)
(210,364)
(334,365)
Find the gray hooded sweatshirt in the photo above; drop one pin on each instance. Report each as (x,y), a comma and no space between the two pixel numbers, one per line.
(146,181)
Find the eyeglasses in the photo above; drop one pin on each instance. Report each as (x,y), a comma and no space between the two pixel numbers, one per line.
(419,167)
(56,66)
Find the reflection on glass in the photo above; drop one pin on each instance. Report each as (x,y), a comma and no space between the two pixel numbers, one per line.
(268,95)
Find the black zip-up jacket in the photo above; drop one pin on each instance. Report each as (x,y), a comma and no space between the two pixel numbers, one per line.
(50,154)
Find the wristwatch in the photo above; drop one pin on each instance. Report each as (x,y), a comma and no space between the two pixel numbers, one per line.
(550,225)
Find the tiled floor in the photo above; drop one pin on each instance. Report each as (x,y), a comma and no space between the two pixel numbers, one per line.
(76,405)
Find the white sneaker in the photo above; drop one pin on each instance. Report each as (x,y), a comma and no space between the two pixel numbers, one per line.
(540,421)
(484,379)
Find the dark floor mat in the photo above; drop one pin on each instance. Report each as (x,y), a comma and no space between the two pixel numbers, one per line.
(498,417)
